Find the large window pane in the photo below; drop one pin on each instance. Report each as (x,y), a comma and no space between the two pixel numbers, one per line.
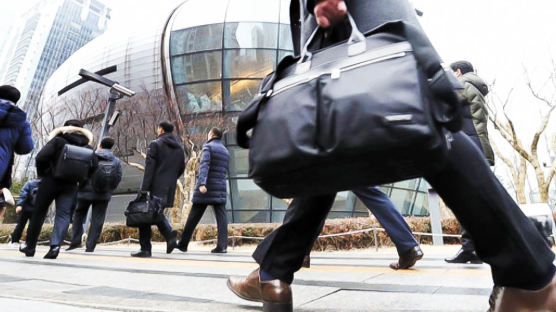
(239,162)
(407,184)
(246,195)
(200,97)
(341,202)
(248,63)
(251,35)
(195,39)
(421,207)
(249,216)
(279,204)
(196,67)
(286,42)
(402,199)
(241,93)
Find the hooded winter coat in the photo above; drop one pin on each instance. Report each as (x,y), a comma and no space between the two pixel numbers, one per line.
(475,92)
(15,137)
(48,155)
(86,190)
(213,170)
(164,165)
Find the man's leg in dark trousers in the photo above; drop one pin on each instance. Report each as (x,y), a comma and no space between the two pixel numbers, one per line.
(195,215)
(145,233)
(64,202)
(281,253)
(97,222)
(47,192)
(389,217)
(22,219)
(504,238)
(78,219)
(222,225)
(466,241)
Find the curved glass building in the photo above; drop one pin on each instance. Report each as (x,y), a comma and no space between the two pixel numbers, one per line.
(206,58)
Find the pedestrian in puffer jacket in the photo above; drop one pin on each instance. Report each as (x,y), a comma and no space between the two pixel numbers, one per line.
(474,93)
(210,189)
(15,133)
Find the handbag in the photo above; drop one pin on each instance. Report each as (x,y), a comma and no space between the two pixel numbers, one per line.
(145,210)
(375,109)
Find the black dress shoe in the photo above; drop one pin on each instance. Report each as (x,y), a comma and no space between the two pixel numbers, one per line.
(465,256)
(29,252)
(89,249)
(172,242)
(53,252)
(72,247)
(141,254)
(408,259)
(182,247)
(219,250)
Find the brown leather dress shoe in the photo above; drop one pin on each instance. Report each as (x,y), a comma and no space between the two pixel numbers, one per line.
(408,259)
(505,299)
(275,295)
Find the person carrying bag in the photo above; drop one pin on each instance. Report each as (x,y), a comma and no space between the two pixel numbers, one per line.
(343,133)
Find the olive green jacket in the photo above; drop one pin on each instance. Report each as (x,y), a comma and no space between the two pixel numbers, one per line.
(475,92)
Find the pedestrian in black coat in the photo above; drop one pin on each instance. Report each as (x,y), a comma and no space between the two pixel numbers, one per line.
(521,261)
(210,189)
(25,207)
(51,189)
(164,165)
(87,197)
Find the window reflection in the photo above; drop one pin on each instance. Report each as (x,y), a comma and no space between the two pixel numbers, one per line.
(207,37)
(248,63)
(286,42)
(200,97)
(239,162)
(198,66)
(241,93)
(251,35)
(246,195)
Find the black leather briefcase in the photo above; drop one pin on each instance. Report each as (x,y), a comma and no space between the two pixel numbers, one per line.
(145,210)
(371,110)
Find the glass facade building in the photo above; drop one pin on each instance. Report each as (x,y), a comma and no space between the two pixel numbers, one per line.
(209,58)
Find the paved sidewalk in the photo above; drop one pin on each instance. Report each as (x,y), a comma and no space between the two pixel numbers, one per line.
(110,280)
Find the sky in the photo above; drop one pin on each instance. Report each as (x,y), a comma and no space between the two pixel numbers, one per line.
(508,41)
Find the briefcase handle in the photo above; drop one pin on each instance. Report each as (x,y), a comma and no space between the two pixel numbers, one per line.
(357,42)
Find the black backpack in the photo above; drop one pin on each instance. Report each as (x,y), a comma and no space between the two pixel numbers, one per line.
(73,164)
(106,177)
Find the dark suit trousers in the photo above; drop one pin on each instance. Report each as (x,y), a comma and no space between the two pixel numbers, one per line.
(22,219)
(97,221)
(195,216)
(504,237)
(64,195)
(146,233)
(389,217)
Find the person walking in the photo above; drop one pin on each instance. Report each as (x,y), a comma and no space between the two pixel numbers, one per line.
(96,192)
(521,262)
(55,189)
(475,126)
(164,165)
(210,189)
(15,138)
(24,209)
(393,223)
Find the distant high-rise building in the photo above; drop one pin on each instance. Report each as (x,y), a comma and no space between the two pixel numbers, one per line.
(47,35)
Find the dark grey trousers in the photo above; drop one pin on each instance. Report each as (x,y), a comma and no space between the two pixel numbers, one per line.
(194,217)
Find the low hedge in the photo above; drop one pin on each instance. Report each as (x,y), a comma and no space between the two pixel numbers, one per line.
(116,231)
